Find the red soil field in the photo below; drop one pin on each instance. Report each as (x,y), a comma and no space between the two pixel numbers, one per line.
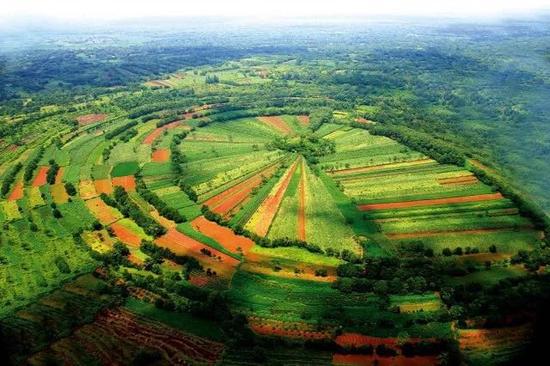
(88,119)
(227,200)
(59,176)
(302,205)
(101,211)
(276,122)
(103,186)
(380,166)
(17,192)
(439,201)
(40,179)
(126,235)
(222,235)
(272,202)
(127,182)
(150,138)
(423,234)
(182,244)
(365,360)
(160,155)
(304,120)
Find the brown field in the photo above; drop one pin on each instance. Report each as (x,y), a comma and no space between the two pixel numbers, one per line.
(125,235)
(465,179)
(17,192)
(59,175)
(150,138)
(230,199)
(182,244)
(364,121)
(374,360)
(304,120)
(380,167)
(223,235)
(286,329)
(40,178)
(307,272)
(276,122)
(430,202)
(160,155)
(88,119)
(424,234)
(87,189)
(483,340)
(103,212)
(103,186)
(158,84)
(302,205)
(59,194)
(117,336)
(128,182)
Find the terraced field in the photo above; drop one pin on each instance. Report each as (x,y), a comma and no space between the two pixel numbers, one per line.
(209,227)
(410,197)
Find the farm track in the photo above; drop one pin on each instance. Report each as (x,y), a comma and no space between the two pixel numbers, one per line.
(430,202)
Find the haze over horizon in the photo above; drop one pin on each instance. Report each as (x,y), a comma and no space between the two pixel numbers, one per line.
(104,10)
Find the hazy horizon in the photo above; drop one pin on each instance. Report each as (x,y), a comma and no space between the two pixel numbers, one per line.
(103,10)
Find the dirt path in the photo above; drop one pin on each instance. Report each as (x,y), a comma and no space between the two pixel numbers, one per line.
(438,201)
(302,204)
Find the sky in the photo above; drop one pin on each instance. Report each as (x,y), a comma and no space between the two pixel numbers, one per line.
(124,9)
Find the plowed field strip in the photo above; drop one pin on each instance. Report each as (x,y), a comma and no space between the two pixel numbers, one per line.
(381,166)
(423,234)
(302,205)
(271,204)
(277,122)
(431,202)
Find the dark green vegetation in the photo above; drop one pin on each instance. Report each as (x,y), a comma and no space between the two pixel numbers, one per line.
(381,189)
